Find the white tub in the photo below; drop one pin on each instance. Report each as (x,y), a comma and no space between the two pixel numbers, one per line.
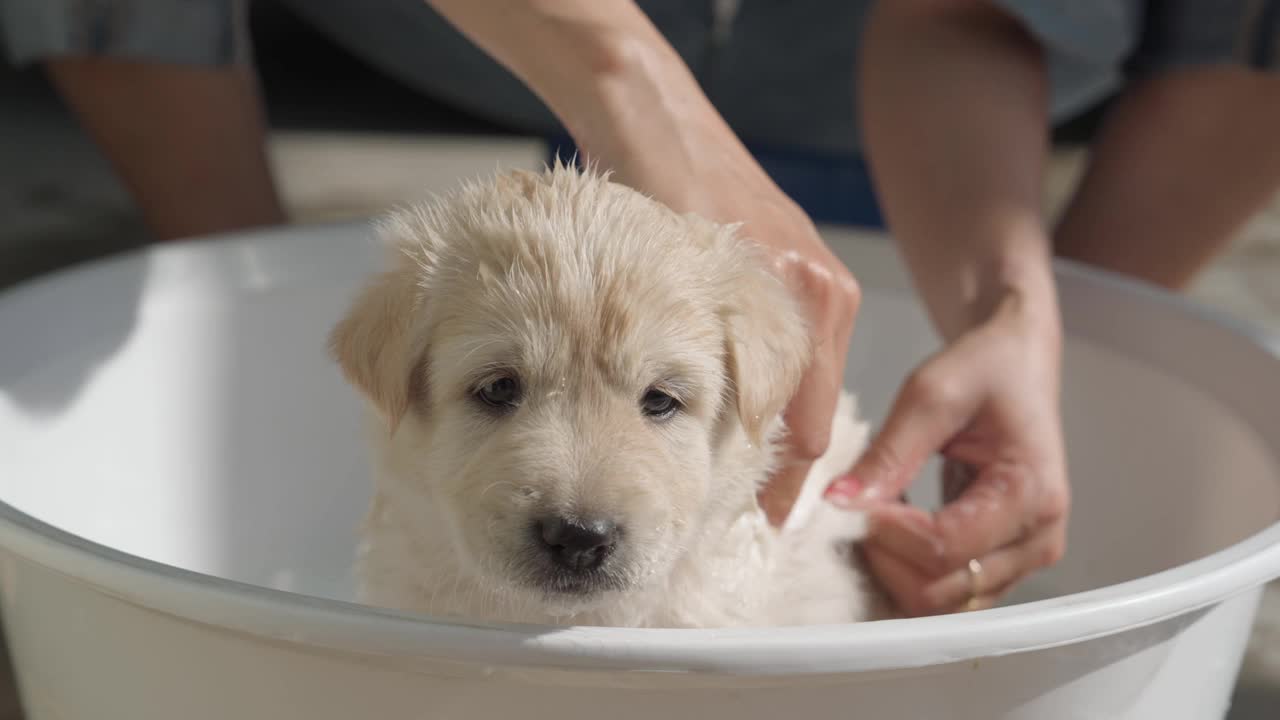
(181,474)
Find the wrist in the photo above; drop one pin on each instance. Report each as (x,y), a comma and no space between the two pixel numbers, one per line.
(1028,310)
(611,78)
(629,103)
(637,110)
(1020,283)
(965,284)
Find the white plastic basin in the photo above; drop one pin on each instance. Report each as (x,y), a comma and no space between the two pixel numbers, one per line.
(182,471)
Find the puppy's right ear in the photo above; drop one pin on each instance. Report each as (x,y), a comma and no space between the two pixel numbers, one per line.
(373,345)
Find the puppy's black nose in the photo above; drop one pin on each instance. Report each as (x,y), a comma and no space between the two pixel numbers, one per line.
(577,545)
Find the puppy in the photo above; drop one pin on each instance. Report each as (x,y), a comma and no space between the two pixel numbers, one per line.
(576,396)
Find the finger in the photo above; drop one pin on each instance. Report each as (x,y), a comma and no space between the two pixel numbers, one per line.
(993,510)
(810,413)
(1001,570)
(808,419)
(908,533)
(997,509)
(981,602)
(903,584)
(917,593)
(934,405)
(907,590)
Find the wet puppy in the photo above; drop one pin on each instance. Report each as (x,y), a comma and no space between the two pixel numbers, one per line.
(577,395)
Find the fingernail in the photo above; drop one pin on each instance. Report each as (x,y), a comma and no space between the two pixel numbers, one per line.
(843,488)
(870,493)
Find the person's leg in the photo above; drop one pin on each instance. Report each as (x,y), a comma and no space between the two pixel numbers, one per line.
(1182,163)
(1190,152)
(189,142)
(168,93)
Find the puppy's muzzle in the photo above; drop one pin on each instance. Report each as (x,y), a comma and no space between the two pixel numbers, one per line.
(577,546)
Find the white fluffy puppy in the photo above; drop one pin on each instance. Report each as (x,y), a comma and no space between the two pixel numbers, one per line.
(577,396)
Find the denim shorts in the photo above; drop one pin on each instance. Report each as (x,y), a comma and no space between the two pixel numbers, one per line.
(781,73)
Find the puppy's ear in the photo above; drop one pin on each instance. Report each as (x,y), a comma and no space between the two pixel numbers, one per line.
(372,343)
(767,347)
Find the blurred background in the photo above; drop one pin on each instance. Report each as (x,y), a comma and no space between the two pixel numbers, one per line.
(347,141)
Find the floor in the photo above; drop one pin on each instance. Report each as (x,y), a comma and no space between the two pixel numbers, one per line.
(62,205)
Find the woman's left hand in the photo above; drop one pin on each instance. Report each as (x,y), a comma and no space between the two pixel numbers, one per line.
(988,403)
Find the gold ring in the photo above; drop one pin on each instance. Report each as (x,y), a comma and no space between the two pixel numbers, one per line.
(975,576)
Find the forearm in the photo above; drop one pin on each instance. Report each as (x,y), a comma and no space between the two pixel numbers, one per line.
(619,88)
(953,101)
(188,142)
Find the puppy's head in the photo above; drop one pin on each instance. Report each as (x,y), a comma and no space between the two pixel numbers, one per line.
(572,371)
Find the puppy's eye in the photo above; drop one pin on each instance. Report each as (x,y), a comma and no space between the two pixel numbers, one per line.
(502,393)
(658,405)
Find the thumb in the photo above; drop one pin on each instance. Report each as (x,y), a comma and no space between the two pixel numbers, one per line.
(937,401)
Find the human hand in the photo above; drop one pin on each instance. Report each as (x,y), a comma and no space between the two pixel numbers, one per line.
(829,297)
(989,403)
(735,189)
(827,294)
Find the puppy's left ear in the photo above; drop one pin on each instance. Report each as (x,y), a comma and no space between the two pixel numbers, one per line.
(768,347)
(373,345)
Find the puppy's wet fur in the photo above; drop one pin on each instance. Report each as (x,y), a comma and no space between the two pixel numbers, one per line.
(575,397)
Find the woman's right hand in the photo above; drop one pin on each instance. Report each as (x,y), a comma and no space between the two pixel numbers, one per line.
(736,189)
